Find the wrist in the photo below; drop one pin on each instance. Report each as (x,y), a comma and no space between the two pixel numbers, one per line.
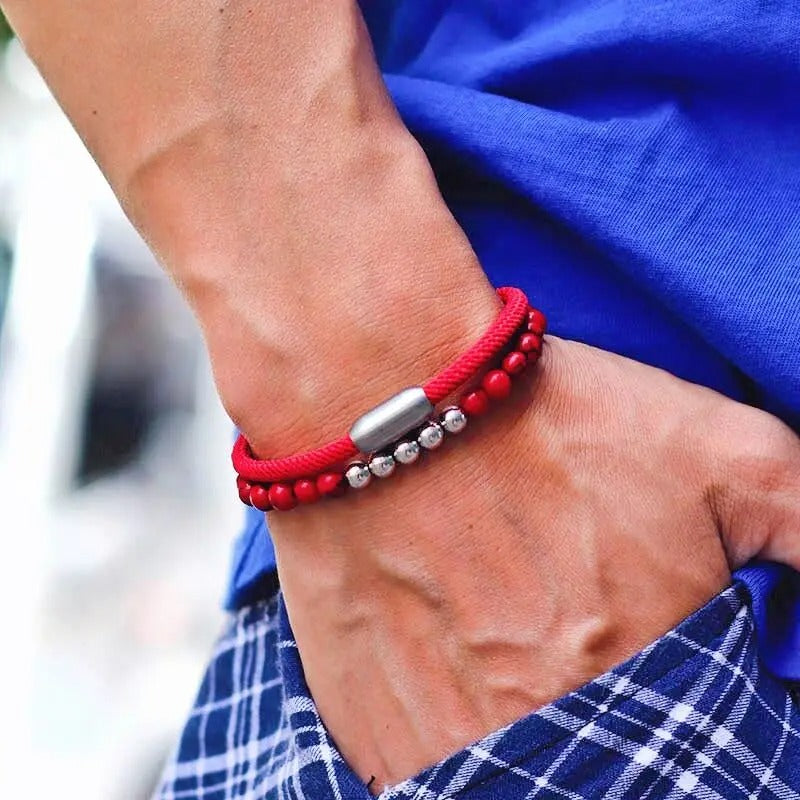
(376,290)
(305,383)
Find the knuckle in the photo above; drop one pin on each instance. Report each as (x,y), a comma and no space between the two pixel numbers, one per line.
(763,449)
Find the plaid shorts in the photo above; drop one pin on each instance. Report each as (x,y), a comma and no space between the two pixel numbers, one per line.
(693,715)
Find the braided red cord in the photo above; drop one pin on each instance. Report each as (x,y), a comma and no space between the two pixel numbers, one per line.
(290,467)
(464,368)
(485,350)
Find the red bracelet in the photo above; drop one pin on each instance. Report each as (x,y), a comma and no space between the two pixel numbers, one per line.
(306,477)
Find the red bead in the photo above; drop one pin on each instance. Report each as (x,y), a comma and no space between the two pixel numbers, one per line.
(537,322)
(529,343)
(306,491)
(243,487)
(282,497)
(497,384)
(330,483)
(259,497)
(514,362)
(475,403)
(533,356)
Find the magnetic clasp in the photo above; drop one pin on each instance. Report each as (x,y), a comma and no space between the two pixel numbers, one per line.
(393,418)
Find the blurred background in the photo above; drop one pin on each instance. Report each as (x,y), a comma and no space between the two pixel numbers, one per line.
(117,504)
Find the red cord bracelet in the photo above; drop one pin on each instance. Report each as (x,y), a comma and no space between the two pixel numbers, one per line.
(306,477)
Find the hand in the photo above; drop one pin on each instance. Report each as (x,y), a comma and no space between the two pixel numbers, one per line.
(606,501)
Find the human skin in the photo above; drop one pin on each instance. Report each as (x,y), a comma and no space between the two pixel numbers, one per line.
(255,148)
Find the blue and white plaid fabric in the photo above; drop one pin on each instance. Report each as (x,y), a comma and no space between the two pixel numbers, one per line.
(694,715)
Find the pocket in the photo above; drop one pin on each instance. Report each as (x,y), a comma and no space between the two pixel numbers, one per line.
(693,714)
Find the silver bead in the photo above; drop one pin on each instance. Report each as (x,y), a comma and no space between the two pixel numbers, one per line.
(431,436)
(382,466)
(454,420)
(358,475)
(406,452)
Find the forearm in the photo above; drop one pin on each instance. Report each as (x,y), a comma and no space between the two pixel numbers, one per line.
(138,79)
(256,150)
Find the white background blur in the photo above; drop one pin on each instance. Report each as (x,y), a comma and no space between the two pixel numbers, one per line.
(117,507)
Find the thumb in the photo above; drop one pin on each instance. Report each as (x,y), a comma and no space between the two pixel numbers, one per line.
(757,499)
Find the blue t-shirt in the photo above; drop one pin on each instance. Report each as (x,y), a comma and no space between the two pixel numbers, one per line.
(635,168)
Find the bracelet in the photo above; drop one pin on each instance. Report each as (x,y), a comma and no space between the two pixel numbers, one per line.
(384,431)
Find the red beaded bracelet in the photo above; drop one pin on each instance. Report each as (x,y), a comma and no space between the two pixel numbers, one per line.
(305,478)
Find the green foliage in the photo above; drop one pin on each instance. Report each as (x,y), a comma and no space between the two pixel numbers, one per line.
(5,30)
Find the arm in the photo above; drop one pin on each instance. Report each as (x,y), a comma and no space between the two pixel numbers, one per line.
(256,150)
